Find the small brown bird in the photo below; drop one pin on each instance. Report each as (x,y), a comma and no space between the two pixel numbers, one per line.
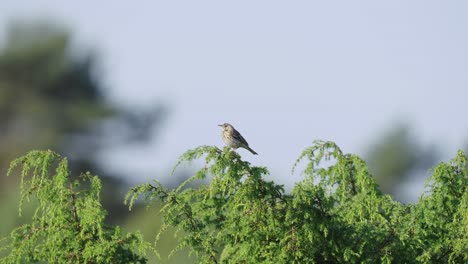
(232,138)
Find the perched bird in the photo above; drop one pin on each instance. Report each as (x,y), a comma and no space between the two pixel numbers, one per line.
(232,138)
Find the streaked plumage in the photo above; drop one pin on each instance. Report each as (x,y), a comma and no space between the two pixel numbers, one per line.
(234,139)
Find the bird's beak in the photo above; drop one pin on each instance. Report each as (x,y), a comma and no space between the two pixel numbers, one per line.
(220,125)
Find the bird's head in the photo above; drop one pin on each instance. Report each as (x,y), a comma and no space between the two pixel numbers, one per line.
(226,126)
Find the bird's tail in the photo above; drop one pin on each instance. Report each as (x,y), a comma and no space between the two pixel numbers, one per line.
(251,150)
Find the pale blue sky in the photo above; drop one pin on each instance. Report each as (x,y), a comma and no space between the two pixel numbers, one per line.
(283,72)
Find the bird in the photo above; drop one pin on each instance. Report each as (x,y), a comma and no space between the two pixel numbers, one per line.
(232,138)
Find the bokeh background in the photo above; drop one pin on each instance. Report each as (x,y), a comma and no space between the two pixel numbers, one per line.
(124,88)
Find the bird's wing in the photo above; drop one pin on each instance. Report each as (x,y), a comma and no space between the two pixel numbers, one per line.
(239,137)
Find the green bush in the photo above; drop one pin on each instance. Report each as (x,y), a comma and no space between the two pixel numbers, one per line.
(336,214)
(67,226)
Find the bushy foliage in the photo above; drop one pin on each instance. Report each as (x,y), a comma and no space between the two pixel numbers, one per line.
(67,226)
(336,214)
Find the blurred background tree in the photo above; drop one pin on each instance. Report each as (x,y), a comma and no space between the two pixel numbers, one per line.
(51,97)
(397,156)
(46,93)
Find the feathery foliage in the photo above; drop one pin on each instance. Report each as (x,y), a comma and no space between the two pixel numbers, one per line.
(67,226)
(336,214)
